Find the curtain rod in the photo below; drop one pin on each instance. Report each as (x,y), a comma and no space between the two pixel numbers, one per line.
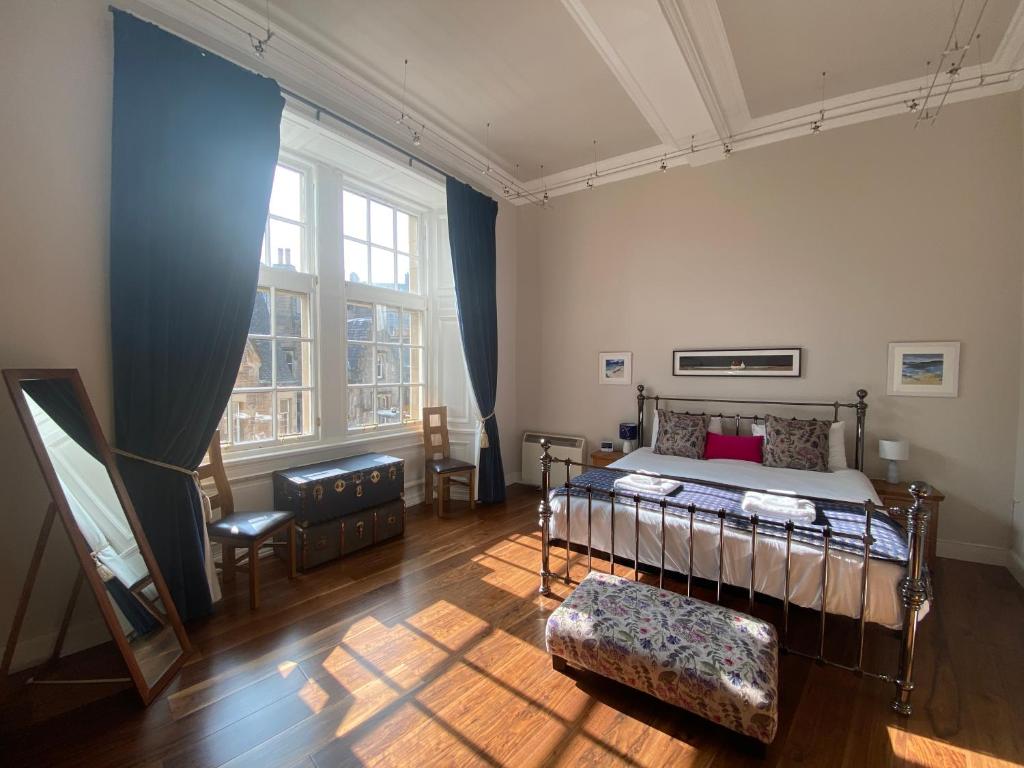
(320,110)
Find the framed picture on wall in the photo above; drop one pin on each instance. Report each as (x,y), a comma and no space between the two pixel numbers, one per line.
(615,367)
(783,362)
(924,369)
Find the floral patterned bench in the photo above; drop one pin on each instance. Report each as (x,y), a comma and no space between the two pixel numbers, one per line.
(713,661)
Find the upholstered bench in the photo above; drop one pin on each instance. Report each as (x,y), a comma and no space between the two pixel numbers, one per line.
(713,661)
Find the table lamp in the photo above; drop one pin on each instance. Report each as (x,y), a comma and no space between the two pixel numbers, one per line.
(894,451)
(628,436)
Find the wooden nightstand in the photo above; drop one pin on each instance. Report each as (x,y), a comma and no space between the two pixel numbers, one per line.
(898,496)
(604,458)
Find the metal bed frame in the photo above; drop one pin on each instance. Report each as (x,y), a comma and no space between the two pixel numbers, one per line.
(914,589)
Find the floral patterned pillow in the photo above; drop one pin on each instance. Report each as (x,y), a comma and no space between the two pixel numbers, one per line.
(681,434)
(796,444)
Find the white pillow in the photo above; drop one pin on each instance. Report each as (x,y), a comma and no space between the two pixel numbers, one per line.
(714,425)
(836,443)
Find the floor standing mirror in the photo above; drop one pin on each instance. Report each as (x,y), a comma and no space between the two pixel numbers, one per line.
(91,501)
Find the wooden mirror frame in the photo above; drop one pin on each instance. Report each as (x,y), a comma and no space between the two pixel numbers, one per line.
(14,377)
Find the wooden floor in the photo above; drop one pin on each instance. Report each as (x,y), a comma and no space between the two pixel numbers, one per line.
(429,651)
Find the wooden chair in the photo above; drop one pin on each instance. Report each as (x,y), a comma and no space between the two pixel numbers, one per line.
(441,469)
(243,530)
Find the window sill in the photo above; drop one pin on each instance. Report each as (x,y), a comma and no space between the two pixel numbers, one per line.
(255,464)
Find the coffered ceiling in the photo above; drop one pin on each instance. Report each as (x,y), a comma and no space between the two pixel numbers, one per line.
(654,82)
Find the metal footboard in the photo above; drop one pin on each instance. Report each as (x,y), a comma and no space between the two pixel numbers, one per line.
(914,588)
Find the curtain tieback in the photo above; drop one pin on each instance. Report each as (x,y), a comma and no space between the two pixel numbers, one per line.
(129,455)
(484,442)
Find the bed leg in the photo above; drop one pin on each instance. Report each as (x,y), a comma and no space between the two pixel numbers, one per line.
(559,664)
(545,519)
(914,592)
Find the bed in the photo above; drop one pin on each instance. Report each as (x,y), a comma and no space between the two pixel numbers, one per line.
(867,561)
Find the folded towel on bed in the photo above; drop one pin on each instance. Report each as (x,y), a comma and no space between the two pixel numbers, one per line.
(638,483)
(779,507)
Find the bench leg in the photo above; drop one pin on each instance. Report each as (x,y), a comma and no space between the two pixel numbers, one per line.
(559,664)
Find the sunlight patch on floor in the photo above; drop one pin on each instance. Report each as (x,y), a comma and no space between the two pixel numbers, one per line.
(366,701)
(313,696)
(285,668)
(919,750)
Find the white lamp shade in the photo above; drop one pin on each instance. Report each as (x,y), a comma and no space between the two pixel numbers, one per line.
(894,450)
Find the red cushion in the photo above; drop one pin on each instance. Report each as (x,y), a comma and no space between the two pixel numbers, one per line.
(742,447)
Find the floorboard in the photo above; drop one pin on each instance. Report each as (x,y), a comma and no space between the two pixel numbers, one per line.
(430,651)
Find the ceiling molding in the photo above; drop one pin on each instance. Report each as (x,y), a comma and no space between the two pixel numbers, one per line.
(606,49)
(1010,53)
(320,77)
(700,35)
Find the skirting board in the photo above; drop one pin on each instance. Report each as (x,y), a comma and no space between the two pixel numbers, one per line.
(972,553)
(1015,564)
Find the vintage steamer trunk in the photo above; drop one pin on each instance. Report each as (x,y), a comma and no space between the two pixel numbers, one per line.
(342,505)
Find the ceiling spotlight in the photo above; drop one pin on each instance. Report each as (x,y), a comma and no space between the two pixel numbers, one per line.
(954,71)
(913,105)
(816,126)
(664,166)
(727,149)
(506,191)
(544,200)
(416,138)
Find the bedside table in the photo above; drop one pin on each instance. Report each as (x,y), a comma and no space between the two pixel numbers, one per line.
(604,458)
(897,495)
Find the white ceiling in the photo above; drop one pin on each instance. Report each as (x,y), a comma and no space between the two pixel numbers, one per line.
(648,79)
(782,47)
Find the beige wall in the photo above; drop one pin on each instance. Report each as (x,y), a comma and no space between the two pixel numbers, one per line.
(838,243)
(1016,557)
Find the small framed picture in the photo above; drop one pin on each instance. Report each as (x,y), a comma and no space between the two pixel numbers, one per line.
(924,369)
(615,367)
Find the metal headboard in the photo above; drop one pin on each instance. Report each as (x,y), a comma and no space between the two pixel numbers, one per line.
(860,407)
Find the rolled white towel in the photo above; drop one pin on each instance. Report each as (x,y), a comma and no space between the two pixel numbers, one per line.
(779,507)
(637,483)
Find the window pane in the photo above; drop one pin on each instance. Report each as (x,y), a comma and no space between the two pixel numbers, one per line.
(382,267)
(285,245)
(387,402)
(412,328)
(286,196)
(389,324)
(257,365)
(357,263)
(353,214)
(405,226)
(260,323)
(359,322)
(250,417)
(412,403)
(387,361)
(291,314)
(412,365)
(382,225)
(294,413)
(404,282)
(360,407)
(293,364)
(359,366)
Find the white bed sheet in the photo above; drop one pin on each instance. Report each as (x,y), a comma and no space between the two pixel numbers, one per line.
(845,569)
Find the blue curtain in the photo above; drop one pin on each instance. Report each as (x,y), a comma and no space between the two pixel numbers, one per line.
(471,218)
(195,142)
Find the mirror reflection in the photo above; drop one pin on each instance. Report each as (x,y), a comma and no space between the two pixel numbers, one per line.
(70,444)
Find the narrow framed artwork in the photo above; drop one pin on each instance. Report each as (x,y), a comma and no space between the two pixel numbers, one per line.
(615,368)
(781,362)
(924,369)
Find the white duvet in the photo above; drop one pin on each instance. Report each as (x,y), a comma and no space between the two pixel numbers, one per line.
(845,569)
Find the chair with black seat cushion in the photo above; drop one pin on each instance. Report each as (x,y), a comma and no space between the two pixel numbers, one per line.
(243,530)
(441,469)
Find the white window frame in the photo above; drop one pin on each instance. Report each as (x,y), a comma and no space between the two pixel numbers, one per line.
(364,293)
(277,279)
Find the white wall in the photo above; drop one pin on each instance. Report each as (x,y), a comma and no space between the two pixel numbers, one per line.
(57,58)
(838,243)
